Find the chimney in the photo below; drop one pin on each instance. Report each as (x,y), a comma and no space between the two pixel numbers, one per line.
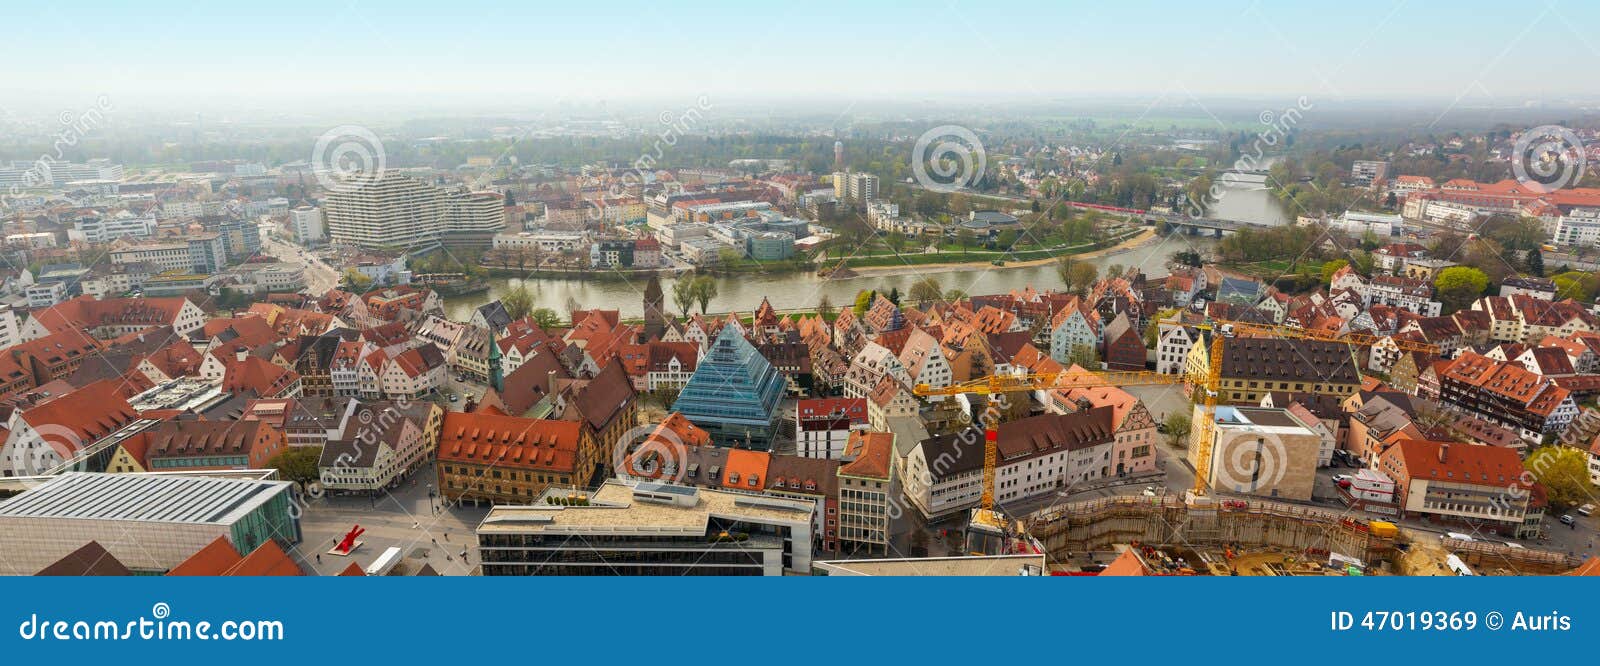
(240,353)
(549,381)
(1444,447)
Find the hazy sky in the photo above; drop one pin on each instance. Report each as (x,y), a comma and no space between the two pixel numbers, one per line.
(286,52)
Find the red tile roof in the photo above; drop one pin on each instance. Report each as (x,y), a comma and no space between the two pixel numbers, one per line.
(213,560)
(870,453)
(509,441)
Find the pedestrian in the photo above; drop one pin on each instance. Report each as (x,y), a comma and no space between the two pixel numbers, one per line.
(319,558)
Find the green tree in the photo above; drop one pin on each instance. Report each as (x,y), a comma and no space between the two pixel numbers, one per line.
(546,318)
(953,295)
(1328,269)
(705,289)
(1564,473)
(863,301)
(683,294)
(356,280)
(959,205)
(926,290)
(896,241)
(1535,262)
(1577,285)
(964,239)
(297,464)
(894,295)
(1458,286)
(1177,426)
(518,302)
(1076,275)
(1152,332)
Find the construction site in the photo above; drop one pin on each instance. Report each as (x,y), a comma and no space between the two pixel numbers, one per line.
(1239,537)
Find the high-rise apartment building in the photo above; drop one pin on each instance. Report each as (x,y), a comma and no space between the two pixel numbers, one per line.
(388,210)
(473,218)
(306,221)
(861,188)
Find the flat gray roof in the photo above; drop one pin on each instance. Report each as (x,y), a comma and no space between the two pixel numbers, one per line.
(143,497)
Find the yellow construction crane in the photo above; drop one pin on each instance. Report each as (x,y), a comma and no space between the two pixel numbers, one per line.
(1209,380)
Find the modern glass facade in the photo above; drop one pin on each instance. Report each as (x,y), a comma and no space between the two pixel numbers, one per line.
(274,519)
(733,393)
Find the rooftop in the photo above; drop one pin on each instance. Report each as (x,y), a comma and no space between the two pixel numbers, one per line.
(616,508)
(144,498)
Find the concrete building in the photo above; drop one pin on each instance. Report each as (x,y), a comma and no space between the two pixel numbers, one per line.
(1358,224)
(866,484)
(1581,228)
(644,529)
(1260,451)
(855,187)
(1364,173)
(1463,484)
(473,219)
(149,522)
(823,425)
(307,224)
(105,229)
(388,210)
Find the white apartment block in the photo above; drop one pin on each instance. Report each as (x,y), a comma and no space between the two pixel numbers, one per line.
(548,241)
(308,225)
(388,210)
(475,213)
(107,229)
(167,256)
(1581,228)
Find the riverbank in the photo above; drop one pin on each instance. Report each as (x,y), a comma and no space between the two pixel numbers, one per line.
(1144,237)
(802,290)
(745,267)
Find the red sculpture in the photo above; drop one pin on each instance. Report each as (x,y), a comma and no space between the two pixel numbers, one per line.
(349,540)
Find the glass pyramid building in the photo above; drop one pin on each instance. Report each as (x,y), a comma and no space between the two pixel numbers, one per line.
(733,394)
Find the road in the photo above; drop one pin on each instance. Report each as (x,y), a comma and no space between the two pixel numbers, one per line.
(320,277)
(403,517)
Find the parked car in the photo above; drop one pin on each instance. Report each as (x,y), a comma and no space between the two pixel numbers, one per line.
(1586,509)
(1567,519)
(1149,491)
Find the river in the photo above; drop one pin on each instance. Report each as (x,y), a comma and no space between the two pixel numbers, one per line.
(1243,199)
(801,290)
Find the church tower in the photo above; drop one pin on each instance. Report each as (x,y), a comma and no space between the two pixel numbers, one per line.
(655,318)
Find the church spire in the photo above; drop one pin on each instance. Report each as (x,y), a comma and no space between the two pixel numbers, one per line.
(496,380)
